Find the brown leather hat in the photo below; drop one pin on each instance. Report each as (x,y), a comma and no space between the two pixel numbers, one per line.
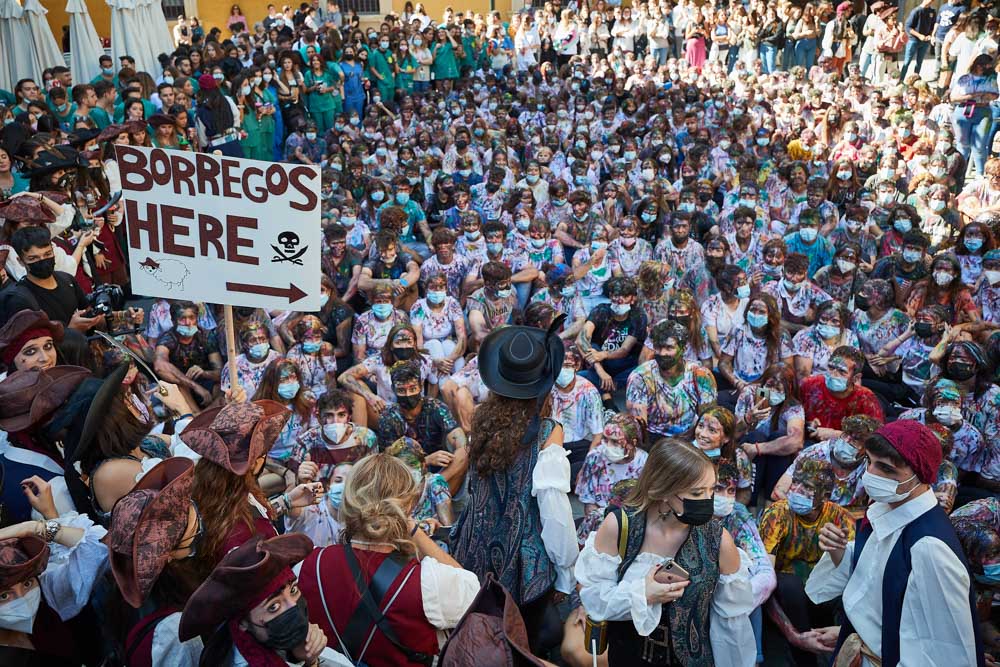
(236,435)
(28,397)
(112,132)
(147,524)
(26,208)
(244,578)
(24,321)
(22,558)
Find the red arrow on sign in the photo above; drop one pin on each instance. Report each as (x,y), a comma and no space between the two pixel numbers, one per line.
(292,293)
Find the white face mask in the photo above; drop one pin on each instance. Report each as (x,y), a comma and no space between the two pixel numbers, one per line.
(992,276)
(613,453)
(19,615)
(723,505)
(883,489)
(334,432)
(949,415)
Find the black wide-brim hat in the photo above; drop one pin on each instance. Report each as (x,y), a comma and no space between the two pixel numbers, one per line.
(522,362)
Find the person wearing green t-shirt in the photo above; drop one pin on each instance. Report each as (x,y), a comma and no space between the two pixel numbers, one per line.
(324,83)
(104,106)
(382,67)
(62,108)
(406,67)
(445,65)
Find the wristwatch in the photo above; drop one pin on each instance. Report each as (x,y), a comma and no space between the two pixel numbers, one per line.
(52,528)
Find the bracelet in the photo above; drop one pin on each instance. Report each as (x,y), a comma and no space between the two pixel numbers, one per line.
(416,527)
(288,503)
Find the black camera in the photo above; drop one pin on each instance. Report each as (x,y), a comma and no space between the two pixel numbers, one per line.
(104,300)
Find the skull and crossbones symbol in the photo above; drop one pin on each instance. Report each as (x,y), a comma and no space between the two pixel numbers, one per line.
(288,241)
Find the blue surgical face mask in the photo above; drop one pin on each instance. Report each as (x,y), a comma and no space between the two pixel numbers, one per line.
(808,234)
(566,376)
(713,453)
(288,390)
(538,244)
(436,297)
(504,293)
(991,574)
(335,494)
(835,383)
(756,320)
(911,256)
(800,503)
(402,198)
(382,310)
(568,291)
(311,346)
(973,244)
(494,248)
(186,331)
(378,195)
(743,292)
(259,351)
(827,331)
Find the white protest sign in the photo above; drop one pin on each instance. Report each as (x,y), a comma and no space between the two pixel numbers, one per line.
(223,230)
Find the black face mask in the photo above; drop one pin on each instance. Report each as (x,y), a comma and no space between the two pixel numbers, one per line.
(683,320)
(289,629)
(714,263)
(961,371)
(461,144)
(696,512)
(43,268)
(665,362)
(409,402)
(924,329)
(403,353)
(861,302)
(704,197)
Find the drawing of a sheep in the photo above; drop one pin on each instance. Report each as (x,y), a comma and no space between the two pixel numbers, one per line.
(169,272)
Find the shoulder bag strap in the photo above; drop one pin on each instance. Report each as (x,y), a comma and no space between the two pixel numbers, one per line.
(372,595)
(622,534)
(326,609)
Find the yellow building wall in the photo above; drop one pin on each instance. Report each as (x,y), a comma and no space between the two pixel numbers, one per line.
(435,8)
(215,13)
(100,14)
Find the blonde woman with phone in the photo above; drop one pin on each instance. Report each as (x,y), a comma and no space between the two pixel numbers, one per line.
(662,581)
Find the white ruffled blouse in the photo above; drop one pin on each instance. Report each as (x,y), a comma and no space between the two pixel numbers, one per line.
(605,598)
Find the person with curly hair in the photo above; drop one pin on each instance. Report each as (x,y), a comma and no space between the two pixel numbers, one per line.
(518,524)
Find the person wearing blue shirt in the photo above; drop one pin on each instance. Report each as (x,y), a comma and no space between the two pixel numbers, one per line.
(947,14)
(415,218)
(354,84)
(807,241)
(920,29)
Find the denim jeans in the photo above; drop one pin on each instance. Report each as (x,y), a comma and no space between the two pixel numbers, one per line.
(661,54)
(788,55)
(523,291)
(866,60)
(914,49)
(972,135)
(768,56)
(734,53)
(805,53)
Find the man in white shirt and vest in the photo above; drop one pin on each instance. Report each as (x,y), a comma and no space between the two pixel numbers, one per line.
(906,587)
